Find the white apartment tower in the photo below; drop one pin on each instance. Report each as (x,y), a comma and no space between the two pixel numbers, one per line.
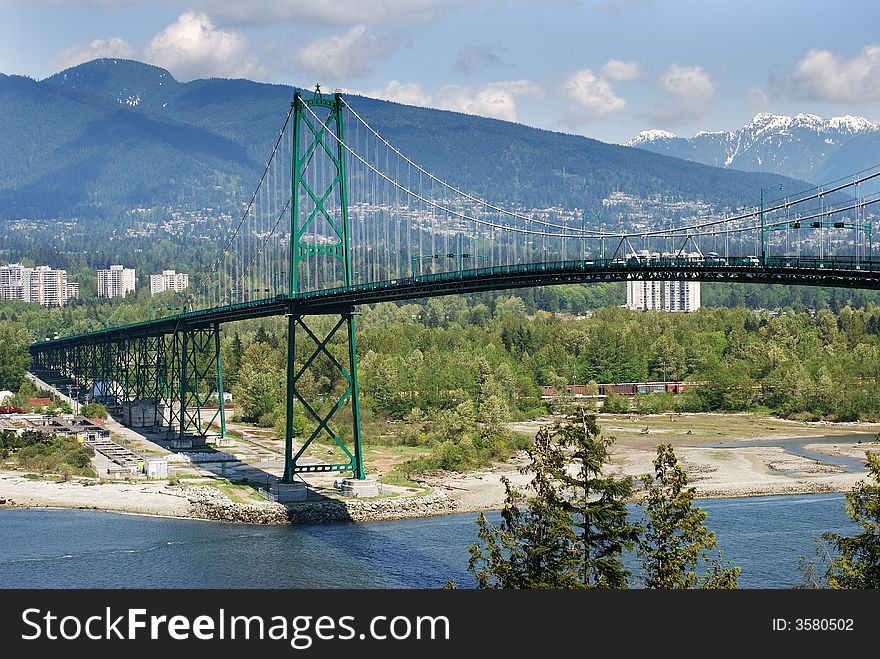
(48,287)
(116,281)
(169,280)
(644,295)
(42,285)
(679,295)
(14,280)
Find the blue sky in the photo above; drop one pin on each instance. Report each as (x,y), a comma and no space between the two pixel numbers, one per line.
(602,68)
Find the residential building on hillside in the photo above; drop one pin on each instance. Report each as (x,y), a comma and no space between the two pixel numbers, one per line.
(169,280)
(116,281)
(41,285)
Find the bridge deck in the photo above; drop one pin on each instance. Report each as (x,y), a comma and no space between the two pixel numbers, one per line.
(843,272)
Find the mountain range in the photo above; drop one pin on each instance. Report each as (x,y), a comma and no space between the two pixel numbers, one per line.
(113,134)
(805,146)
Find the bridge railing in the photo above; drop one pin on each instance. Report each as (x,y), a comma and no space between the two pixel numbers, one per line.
(841,263)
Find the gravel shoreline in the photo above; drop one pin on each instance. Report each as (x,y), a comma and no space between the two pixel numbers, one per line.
(731,473)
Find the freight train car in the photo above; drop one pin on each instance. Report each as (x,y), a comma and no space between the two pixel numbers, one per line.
(621,389)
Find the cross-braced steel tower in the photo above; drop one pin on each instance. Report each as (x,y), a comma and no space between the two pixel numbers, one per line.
(319,210)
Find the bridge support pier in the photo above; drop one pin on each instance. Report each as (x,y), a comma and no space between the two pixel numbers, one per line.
(329,386)
(197,363)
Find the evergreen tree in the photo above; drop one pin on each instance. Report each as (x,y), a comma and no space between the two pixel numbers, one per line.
(676,538)
(857,564)
(571,531)
(596,501)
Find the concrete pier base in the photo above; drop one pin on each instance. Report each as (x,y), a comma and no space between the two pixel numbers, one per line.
(286,492)
(352,487)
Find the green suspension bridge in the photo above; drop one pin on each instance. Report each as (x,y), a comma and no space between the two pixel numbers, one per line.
(341,218)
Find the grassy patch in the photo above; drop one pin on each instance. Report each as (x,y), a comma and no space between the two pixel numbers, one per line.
(56,455)
(237,492)
(400,479)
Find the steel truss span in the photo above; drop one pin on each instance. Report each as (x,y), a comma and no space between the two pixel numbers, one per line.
(341,218)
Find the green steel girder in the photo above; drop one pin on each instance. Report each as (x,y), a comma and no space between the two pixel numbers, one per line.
(179,371)
(164,382)
(199,358)
(845,272)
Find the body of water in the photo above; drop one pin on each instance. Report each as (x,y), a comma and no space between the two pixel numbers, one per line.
(85,549)
(797,446)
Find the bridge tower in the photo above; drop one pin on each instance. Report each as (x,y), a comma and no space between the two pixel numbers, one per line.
(321,202)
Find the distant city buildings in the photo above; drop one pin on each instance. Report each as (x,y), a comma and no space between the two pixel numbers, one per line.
(116,281)
(169,280)
(41,285)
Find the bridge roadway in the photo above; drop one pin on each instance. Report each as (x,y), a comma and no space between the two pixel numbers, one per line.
(844,272)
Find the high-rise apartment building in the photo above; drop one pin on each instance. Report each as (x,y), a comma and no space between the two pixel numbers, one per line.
(14,280)
(644,295)
(681,295)
(678,295)
(116,281)
(169,280)
(41,285)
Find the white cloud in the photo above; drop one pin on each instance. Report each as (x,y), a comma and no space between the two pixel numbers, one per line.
(346,56)
(757,98)
(113,47)
(193,47)
(493,99)
(620,71)
(688,92)
(591,93)
(410,93)
(822,75)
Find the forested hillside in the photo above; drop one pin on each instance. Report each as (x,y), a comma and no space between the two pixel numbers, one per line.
(121,133)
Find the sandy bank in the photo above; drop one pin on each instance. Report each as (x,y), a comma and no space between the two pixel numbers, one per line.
(715,470)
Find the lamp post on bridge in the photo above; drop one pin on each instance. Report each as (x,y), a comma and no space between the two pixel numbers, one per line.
(763,247)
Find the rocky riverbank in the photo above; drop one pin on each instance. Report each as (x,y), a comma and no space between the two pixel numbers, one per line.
(366,510)
(208,503)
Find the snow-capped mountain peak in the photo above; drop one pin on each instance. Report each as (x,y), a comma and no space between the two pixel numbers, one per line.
(647,136)
(797,146)
(852,124)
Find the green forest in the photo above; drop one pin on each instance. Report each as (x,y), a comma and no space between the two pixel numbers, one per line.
(450,374)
